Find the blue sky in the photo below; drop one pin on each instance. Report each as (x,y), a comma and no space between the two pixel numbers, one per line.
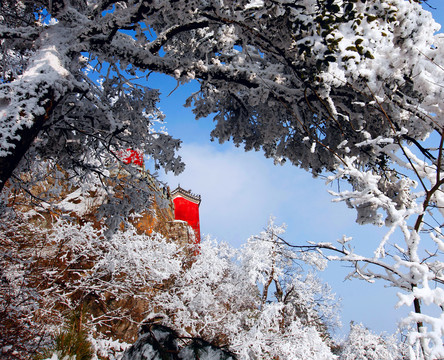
(240,191)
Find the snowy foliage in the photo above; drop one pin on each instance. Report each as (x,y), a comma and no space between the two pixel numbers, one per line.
(362,344)
(305,81)
(348,86)
(118,282)
(51,269)
(270,263)
(406,198)
(224,297)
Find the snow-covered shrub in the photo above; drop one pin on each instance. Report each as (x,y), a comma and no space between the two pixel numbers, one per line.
(362,344)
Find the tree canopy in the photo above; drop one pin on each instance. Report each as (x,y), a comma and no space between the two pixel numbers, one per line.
(303,80)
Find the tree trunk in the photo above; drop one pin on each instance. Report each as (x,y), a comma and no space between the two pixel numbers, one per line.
(26,137)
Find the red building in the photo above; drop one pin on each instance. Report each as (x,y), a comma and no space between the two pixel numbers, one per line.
(186,208)
(130,156)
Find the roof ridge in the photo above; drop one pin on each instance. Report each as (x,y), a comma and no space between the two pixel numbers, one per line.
(180,190)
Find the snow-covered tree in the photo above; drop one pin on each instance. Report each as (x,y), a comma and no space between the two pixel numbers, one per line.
(361,343)
(225,297)
(209,298)
(407,199)
(298,313)
(272,265)
(305,80)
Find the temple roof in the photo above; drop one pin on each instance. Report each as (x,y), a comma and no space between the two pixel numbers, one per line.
(187,194)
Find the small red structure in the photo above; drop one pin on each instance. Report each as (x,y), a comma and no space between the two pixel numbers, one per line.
(130,156)
(186,207)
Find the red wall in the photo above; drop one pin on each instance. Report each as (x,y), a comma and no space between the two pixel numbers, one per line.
(189,212)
